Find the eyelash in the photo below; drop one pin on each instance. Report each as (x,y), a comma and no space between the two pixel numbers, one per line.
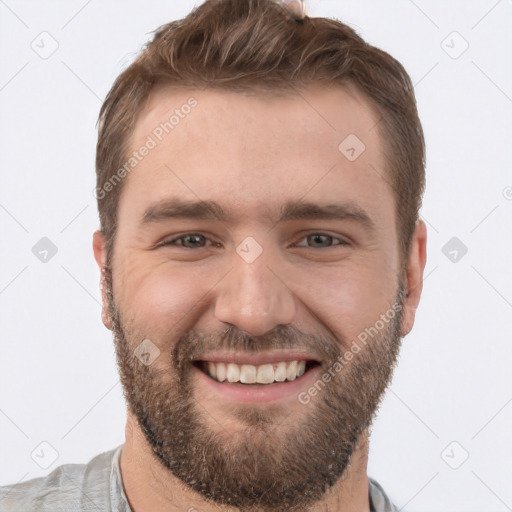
(172,242)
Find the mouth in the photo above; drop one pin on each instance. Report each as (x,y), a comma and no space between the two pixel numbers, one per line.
(255,378)
(250,374)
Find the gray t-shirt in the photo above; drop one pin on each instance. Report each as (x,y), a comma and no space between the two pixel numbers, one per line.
(98,486)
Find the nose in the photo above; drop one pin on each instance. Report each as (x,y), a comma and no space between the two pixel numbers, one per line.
(254,298)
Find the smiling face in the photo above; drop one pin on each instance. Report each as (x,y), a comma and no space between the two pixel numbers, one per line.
(250,248)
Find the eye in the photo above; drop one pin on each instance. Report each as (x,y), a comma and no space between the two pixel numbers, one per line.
(318,240)
(188,241)
(199,241)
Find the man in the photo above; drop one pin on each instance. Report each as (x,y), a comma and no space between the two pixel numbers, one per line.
(259,177)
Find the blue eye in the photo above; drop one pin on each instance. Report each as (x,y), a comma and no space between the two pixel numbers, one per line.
(198,241)
(189,241)
(317,240)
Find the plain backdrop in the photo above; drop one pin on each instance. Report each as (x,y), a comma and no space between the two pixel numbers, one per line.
(442,438)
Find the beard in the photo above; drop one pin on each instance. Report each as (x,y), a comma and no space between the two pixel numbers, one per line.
(272,462)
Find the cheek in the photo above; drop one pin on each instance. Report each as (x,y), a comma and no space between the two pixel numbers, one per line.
(349,298)
(162,300)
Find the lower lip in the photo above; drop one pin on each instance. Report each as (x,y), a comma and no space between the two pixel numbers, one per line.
(252,393)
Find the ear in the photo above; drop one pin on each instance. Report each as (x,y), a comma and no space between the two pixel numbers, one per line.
(100,255)
(414,276)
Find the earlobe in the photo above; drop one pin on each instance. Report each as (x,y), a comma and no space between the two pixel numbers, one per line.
(98,246)
(414,276)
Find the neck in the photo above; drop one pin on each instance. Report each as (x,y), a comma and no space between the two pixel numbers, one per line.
(150,486)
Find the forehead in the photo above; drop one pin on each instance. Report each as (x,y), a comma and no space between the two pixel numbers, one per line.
(312,113)
(254,150)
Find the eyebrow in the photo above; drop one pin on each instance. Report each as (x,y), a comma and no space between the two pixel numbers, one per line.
(182,209)
(293,210)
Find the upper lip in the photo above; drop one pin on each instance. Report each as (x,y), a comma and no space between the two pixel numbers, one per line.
(270,356)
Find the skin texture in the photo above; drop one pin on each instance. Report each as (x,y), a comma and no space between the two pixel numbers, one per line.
(252,154)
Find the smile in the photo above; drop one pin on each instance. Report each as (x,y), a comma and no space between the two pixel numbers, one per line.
(270,377)
(267,373)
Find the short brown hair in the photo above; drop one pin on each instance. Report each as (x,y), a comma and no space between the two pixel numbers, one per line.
(256,45)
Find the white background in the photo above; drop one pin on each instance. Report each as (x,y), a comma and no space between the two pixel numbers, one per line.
(58,380)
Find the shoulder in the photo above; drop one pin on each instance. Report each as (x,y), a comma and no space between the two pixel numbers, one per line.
(69,487)
(380,500)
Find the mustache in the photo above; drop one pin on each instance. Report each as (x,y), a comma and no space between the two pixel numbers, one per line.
(194,344)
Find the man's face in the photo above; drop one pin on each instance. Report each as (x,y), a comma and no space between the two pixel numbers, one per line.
(294,258)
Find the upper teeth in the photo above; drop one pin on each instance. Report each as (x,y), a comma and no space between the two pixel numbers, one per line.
(262,374)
